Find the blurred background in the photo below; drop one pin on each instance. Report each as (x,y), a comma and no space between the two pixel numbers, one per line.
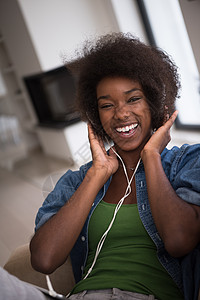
(41,135)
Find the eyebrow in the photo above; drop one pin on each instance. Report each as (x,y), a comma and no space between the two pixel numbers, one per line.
(132,90)
(103,97)
(126,93)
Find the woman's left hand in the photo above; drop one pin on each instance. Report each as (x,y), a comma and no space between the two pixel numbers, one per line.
(161,137)
(176,220)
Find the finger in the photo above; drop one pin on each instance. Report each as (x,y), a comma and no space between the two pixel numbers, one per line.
(171,120)
(91,134)
(90,130)
(94,139)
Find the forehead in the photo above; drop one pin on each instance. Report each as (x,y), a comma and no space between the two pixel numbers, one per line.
(117,84)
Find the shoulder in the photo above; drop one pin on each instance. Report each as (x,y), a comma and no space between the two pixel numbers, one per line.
(178,157)
(74,178)
(63,190)
(182,167)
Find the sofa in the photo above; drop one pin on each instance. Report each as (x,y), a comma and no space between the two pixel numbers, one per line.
(19,265)
(62,279)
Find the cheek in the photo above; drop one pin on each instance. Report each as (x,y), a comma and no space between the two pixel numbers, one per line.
(106,127)
(147,116)
(104,118)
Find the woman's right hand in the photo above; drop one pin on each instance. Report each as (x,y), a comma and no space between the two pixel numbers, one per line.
(53,241)
(102,162)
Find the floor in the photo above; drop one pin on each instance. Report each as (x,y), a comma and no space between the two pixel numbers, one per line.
(23,190)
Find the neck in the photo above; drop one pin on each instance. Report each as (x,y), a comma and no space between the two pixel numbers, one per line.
(130,158)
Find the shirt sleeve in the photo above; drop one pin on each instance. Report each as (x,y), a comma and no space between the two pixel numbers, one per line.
(63,191)
(187,174)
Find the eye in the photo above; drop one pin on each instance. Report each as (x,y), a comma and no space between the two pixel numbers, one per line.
(105,106)
(134,99)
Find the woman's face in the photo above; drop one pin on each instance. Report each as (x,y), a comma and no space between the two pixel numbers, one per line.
(124,112)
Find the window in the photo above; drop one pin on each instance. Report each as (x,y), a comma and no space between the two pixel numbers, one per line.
(166,29)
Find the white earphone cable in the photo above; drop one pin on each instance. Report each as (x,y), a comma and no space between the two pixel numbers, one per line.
(119,204)
(102,240)
(50,287)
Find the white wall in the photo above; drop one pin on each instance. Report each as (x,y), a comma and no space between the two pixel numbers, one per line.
(172,36)
(59,26)
(38,32)
(129,18)
(17,38)
(191,15)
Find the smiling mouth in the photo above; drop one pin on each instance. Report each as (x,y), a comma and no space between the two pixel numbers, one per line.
(127,130)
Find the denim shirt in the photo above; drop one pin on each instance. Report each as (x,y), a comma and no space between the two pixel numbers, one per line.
(182,168)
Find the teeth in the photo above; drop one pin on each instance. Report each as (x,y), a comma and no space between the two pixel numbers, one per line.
(126,128)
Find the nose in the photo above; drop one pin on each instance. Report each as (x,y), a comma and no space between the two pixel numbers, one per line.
(122,112)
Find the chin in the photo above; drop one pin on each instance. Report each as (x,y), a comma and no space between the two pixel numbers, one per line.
(125,146)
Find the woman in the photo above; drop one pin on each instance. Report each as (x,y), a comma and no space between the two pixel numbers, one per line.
(126,93)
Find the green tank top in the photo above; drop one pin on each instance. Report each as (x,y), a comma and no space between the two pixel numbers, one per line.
(128,259)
